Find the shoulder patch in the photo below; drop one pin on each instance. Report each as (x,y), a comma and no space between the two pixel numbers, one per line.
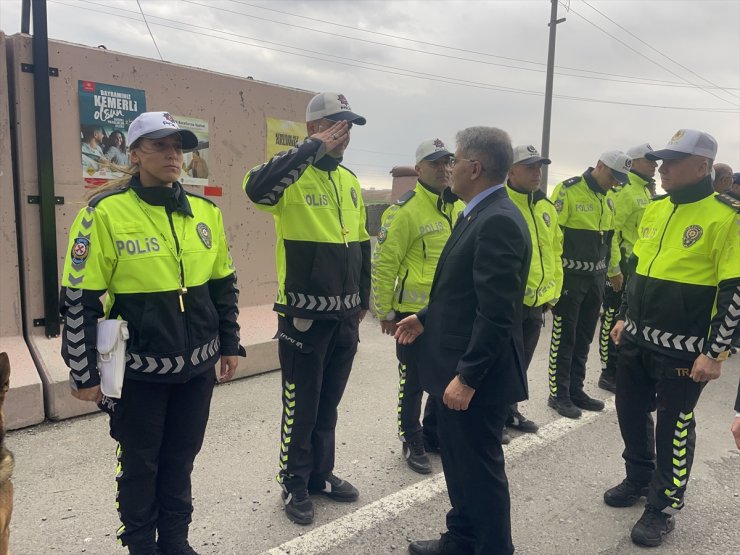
(659,197)
(572,181)
(94,201)
(731,200)
(349,170)
(406,197)
(209,201)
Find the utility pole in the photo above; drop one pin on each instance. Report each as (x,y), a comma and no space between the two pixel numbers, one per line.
(548,90)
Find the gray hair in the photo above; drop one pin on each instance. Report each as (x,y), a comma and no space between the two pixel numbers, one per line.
(490,146)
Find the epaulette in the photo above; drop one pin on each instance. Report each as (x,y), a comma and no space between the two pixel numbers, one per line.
(349,170)
(729,199)
(406,197)
(572,181)
(659,197)
(539,195)
(94,201)
(188,193)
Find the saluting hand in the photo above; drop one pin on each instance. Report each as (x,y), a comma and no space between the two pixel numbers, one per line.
(457,395)
(88,394)
(228,367)
(408,329)
(334,135)
(705,369)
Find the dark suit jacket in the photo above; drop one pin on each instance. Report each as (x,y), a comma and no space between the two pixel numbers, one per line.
(473,323)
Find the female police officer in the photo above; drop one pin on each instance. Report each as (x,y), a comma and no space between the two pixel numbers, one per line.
(161,255)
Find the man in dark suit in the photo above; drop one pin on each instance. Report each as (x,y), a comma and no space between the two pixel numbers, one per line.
(472,360)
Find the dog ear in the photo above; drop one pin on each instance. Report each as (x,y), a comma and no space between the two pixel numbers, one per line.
(4,369)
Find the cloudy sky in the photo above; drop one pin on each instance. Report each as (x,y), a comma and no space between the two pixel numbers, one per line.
(627,72)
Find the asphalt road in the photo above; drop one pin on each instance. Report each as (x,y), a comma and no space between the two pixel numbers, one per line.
(64,478)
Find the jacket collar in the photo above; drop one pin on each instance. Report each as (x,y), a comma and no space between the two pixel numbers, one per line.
(591,182)
(327,163)
(693,193)
(647,180)
(173,199)
(533,197)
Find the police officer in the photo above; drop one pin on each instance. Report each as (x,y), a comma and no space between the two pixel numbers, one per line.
(413,232)
(161,255)
(545,278)
(322,254)
(674,329)
(590,252)
(630,202)
(724,180)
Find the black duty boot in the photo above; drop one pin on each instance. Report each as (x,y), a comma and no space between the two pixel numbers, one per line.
(298,506)
(609,383)
(519,422)
(416,458)
(625,494)
(445,545)
(585,402)
(652,527)
(335,488)
(565,407)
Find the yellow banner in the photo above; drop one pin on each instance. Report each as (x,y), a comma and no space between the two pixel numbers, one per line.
(282,134)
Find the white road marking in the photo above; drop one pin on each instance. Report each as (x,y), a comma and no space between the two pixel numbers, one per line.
(342,529)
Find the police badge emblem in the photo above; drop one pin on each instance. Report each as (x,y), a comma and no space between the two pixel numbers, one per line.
(80,250)
(546,217)
(382,234)
(691,235)
(204,232)
(353,194)
(559,206)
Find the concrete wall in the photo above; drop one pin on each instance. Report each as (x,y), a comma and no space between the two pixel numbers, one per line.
(24,404)
(235,109)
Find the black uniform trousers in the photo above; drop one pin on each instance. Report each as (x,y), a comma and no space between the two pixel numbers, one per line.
(607,349)
(648,381)
(159,428)
(410,396)
(574,323)
(531,326)
(315,366)
(473,464)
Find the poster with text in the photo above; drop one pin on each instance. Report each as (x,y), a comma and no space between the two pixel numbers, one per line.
(195,163)
(282,135)
(105,114)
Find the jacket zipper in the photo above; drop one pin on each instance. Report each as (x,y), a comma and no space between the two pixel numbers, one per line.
(539,250)
(182,289)
(344,232)
(403,286)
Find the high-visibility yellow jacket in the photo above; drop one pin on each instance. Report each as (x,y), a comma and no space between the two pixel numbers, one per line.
(322,252)
(161,255)
(545,278)
(413,233)
(684,297)
(630,202)
(586,215)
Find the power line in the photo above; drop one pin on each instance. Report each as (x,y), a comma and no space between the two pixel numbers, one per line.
(150,31)
(655,49)
(453,48)
(384,68)
(620,41)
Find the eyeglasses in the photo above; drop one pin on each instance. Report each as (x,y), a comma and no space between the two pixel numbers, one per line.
(453,161)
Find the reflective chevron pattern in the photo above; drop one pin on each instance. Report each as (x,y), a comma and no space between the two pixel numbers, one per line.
(401,388)
(414,297)
(119,475)
(680,463)
(606,327)
(76,275)
(723,339)
(74,335)
(289,399)
(319,303)
(271,198)
(675,341)
(570,264)
(557,330)
(173,365)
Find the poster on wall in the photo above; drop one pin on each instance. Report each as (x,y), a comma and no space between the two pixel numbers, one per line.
(195,163)
(282,135)
(105,114)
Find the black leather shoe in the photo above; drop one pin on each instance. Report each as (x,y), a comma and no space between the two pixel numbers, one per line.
(298,506)
(625,494)
(445,545)
(416,458)
(652,527)
(585,402)
(336,489)
(565,407)
(517,421)
(608,383)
